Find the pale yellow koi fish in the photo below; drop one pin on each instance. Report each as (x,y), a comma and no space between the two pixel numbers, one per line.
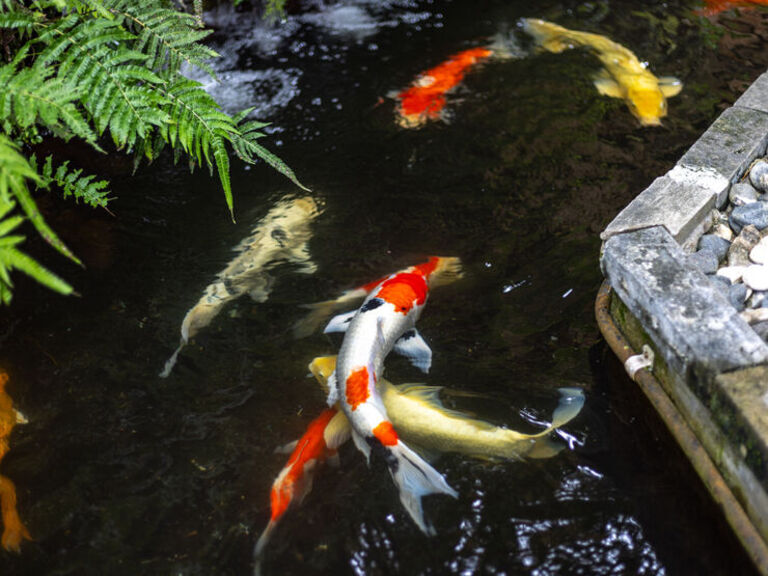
(281,236)
(417,414)
(623,75)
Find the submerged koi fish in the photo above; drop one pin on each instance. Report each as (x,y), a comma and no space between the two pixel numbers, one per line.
(385,322)
(623,75)
(13,529)
(419,416)
(425,99)
(447,271)
(281,236)
(319,443)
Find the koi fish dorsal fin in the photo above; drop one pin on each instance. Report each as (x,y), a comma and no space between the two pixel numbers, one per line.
(340,322)
(430,396)
(670,86)
(411,345)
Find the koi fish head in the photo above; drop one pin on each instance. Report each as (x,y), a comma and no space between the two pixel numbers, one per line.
(321,368)
(647,97)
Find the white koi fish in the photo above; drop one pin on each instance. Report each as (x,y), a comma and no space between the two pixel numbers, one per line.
(385,322)
(623,76)
(281,236)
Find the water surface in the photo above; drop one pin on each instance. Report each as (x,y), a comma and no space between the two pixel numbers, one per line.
(122,472)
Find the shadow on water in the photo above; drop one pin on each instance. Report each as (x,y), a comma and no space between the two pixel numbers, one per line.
(121,472)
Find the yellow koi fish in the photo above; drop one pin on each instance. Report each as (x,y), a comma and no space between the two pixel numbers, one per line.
(417,414)
(281,236)
(623,75)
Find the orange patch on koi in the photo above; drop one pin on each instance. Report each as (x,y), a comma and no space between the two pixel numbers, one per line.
(403,291)
(385,433)
(426,268)
(357,387)
(425,99)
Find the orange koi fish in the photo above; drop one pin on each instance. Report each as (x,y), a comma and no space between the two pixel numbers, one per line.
(716,6)
(425,99)
(14,531)
(385,322)
(447,270)
(319,443)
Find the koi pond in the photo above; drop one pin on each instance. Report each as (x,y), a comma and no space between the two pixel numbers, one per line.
(120,471)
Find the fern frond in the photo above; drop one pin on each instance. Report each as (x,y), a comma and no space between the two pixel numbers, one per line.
(86,188)
(14,173)
(201,129)
(22,21)
(116,89)
(248,149)
(32,95)
(168,37)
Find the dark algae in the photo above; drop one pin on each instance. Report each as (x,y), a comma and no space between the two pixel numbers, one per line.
(119,471)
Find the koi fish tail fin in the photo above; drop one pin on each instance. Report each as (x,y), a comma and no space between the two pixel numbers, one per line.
(261,544)
(571,403)
(449,269)
(415,478)
(506,46)
(546,35)
(171,362)
(14,530)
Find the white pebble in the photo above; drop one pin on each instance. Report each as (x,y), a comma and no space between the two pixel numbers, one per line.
(733,273)
(759,254)
(756,277)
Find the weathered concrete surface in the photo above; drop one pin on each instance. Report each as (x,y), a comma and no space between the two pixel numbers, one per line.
(680,200)
(660,205)
(756,96)
(738,136)
(694,327)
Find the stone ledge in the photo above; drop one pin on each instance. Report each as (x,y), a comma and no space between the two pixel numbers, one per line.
(680,200)
(687,317)
(756,96)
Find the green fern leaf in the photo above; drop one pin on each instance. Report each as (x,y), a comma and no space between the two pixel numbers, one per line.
(93,192)
(11,258)
(168,37)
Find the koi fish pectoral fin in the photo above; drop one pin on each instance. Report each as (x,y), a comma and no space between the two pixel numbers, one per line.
(286,448)
(412,346)
(340,322)
(670,86)
(607,86)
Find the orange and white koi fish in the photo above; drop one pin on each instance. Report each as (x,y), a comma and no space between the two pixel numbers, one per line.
(281,236)
(319,444)
(623,75)
(425,99)
(448,270)
(385,322)
(13,529)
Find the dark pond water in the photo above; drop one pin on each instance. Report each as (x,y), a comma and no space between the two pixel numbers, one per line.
(122,472)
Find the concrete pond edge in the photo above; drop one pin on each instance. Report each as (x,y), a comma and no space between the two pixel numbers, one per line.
(710,362)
